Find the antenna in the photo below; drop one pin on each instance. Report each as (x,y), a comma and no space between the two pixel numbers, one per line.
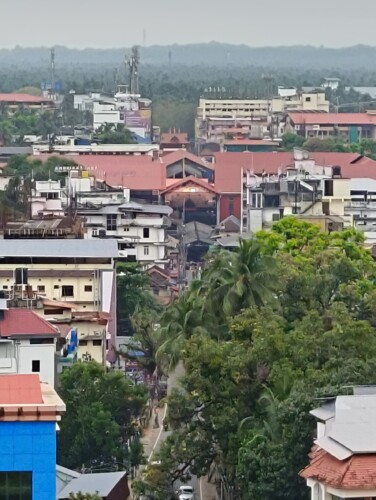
(133,63)
(52,68)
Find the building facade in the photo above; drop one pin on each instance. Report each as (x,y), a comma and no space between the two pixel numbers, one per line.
(29,414)
(218,119)
(303,189)
(70,283)
(343,459)
(351,127)
(28,344)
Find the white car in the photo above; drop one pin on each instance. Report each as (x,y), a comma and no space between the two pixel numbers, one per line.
(185,493)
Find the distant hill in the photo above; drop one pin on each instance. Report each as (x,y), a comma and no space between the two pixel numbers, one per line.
(212,54)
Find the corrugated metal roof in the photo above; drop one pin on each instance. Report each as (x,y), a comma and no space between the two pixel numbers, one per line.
(335,449)
(102,484)
(59,248)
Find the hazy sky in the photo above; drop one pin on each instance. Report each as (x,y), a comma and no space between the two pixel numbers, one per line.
(119,23)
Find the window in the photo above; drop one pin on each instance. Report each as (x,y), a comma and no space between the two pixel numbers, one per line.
(146,232)
(67,291)
(97,342)
(126,229)
(88,288)
(83,342)
(328,188)
(275,217)
(231,205)
(111,222)
(16,485)
(146,250)
(53,312)
(256,200)
(5,287)
(41,288)
(56,287)
(307,99)
(35,366)
(41,341)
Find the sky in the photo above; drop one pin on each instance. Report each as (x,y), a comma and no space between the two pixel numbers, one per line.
(122,23)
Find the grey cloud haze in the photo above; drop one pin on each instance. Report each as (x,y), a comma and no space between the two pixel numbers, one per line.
(120,23)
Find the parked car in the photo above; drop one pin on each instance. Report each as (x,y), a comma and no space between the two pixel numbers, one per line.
(185,493)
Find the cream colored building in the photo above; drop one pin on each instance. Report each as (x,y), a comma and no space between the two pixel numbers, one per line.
(251,118)
(70,283)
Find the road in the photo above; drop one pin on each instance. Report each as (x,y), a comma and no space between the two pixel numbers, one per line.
(173,381)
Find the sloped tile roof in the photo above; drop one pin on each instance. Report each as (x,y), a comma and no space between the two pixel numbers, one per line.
(333,118)
(228,166)
(25,322)
(356,473)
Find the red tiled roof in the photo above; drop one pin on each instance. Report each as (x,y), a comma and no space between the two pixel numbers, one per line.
(190,180)
(228,166)
(333,118)
(356,473)
(171,138)
(25,322)
(250,142)
(20,389)
(134,172)
(176,156)
(20,98)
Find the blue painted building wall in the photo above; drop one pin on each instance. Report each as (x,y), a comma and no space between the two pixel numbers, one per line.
(31,446)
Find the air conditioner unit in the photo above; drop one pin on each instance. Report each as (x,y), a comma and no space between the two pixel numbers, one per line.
(315,127)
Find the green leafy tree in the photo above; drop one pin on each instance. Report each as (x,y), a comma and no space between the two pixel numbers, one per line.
(100,408)
(291,141)
(115,134)
(84,496)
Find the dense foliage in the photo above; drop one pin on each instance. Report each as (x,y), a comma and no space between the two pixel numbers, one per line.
(101,407)
(286,319)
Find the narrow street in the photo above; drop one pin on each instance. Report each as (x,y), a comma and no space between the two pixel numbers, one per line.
(153,439)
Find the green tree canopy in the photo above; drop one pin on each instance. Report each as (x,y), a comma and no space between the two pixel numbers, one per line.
(247,393)
(100,408)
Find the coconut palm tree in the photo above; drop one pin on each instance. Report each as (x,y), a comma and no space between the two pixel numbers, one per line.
(181,320)
(240,279)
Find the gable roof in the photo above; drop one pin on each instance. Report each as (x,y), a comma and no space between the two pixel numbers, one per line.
(25,322)
(197,231)
(333,118)
(20,389)
(172,137)
(189,180)
(100,483)
(176,156)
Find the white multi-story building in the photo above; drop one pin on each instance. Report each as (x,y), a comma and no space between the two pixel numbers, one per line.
(27,343)
(303,189)
(46,199)
(140,229)
(125,108)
